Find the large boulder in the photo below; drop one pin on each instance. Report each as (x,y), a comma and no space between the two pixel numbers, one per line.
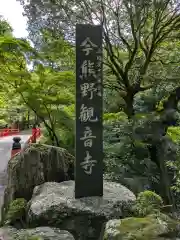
(35,165)
(54,204)
(151,227)
(40,233)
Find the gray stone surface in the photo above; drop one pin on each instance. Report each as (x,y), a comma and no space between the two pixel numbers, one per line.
(54,204)
(111,230)
(42,233)
(35,165)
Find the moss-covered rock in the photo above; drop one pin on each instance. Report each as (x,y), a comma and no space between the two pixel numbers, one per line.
(16,212)
(54,204)
(40,233)
(35,165)
(151,227)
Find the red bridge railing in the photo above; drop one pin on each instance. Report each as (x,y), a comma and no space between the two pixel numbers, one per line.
(8,132)
(36,133)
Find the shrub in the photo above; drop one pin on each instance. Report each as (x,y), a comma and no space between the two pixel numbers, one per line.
(16,212)
(147,202)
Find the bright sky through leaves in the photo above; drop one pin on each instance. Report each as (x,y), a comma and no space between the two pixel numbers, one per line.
(12,11)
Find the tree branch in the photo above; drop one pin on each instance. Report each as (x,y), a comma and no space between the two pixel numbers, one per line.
(132,56)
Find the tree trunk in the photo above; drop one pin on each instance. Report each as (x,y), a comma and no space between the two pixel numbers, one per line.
(157,156)
(164,177)
(129,109)
(52,134)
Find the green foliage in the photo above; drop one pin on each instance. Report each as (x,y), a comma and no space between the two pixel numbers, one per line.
(119,116)
(46,91)
(3,123)
(134,60)
(56,52)
(126,155)
(48,94)
(147,203)
(16,212)
(22,236)
(5,28)
(174,133)
(34,238)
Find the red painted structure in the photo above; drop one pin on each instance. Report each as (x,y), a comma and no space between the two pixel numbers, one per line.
(8,132)
(36,133)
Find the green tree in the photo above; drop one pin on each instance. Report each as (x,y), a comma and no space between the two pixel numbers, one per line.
(140,46)
(133,33)
(5,28)
(44,90)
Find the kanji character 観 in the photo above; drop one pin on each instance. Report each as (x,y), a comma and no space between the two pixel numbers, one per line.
(87,114)
(88,88)
(88,163)
(88,46)
(88,137)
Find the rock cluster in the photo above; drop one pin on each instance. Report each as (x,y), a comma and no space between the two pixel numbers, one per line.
(35,165)
(39,204)
(54,204)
